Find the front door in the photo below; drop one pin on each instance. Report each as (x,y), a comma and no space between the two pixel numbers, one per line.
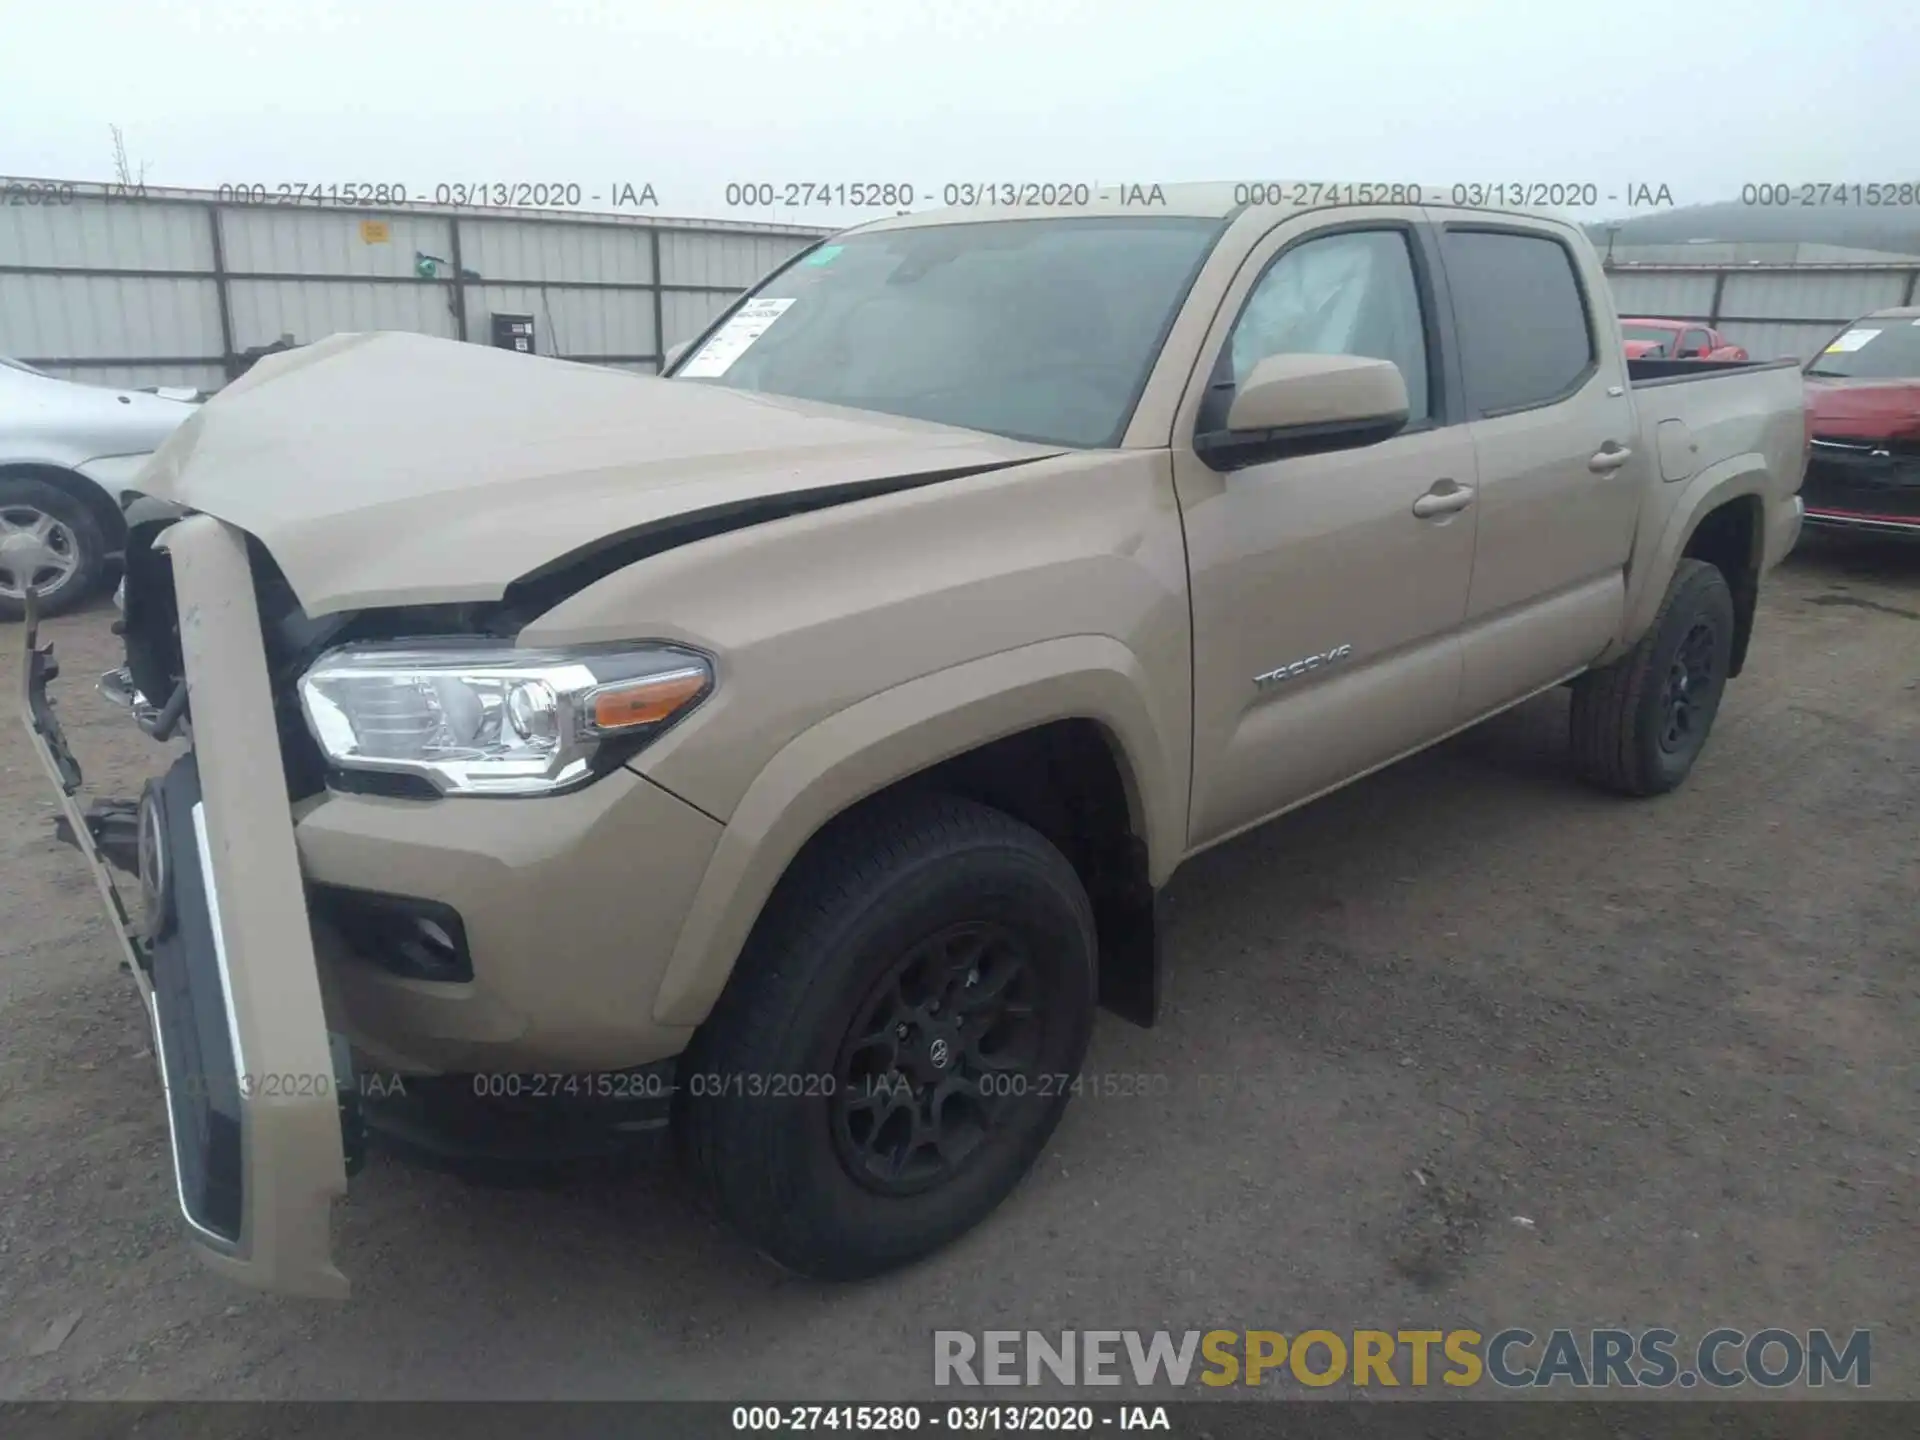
(1328,590)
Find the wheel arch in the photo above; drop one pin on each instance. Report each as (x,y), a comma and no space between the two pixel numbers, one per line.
(1720,517)
(1731,537)
(101,507)
(1058,734)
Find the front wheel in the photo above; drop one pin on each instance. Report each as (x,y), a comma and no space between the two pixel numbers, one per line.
(1639,724)
(899,1041)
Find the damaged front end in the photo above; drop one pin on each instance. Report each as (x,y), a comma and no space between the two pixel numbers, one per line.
(260,1098)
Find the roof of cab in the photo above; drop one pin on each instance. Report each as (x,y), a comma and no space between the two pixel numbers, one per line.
(1206,199)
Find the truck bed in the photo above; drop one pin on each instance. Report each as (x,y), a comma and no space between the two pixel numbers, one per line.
(1695,414)
(1649,371)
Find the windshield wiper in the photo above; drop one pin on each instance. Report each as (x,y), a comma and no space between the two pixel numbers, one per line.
(1830,374)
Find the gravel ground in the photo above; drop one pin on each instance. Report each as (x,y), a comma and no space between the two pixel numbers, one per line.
(1678,1037)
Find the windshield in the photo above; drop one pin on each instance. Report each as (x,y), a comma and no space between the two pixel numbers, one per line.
(1658,334)
(1035,329)
(1873,349)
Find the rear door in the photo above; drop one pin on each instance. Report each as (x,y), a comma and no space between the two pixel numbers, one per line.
(1326,611)
(1554,437)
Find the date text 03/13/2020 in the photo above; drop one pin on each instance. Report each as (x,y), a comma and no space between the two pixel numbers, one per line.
(459,195)
(961,194)
(963,1419)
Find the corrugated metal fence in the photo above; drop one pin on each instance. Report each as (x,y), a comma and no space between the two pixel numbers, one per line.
(172,287)
(1773,309)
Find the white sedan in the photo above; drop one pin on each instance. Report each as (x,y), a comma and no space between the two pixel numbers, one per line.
(66,452)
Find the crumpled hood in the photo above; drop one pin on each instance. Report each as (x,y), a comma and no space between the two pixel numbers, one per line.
(390,468)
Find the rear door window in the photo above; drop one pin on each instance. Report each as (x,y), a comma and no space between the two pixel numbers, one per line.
(1525,337)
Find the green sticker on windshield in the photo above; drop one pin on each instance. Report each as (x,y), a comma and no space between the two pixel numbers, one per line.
(824,255)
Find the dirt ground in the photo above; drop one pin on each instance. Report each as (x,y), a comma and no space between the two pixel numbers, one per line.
(1679,1037)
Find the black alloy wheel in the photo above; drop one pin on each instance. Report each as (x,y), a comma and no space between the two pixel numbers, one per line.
(898,1040)
(1687,687)
(1637,725)
(942,1042)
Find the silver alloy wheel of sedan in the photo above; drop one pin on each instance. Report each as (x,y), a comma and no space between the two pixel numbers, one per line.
(36,549)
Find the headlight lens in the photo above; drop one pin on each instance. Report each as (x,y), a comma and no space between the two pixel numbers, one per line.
(492,719)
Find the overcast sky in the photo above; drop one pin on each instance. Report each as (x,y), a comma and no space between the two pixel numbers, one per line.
(1699,95)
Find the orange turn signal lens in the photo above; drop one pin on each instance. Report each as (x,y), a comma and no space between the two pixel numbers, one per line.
(626,704)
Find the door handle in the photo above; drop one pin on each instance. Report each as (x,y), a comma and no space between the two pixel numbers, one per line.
(1609,457)
(1443,499)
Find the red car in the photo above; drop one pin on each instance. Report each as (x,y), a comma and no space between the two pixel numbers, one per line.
(1677,340)
(1863,404)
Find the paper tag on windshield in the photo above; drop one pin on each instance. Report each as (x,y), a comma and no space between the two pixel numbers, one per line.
(1852,340)
(731,340)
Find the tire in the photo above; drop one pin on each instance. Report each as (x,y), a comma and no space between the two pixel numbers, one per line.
(68,542)
(828,1185)
(1636,727)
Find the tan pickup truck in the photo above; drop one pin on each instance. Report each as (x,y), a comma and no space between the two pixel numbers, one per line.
(790,752)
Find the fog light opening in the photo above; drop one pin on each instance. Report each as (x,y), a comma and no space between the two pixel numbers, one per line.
(416,939)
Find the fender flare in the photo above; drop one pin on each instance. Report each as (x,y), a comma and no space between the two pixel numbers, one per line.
(900,732)
(1730,479)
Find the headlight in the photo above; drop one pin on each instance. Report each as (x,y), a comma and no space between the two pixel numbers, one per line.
(490,719)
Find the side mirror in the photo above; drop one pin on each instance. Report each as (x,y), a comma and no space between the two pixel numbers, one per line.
(674,352)
(1306,404)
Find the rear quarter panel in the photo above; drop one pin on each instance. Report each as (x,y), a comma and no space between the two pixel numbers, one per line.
(1742,433)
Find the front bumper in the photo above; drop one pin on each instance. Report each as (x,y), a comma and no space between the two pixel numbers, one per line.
(221,955)
(1864,485)
(1863,524)
(570,906)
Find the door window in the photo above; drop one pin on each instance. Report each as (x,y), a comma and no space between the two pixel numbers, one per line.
(1524,334)
(1352,293)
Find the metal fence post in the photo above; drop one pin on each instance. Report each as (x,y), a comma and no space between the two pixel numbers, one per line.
(659,309)
(229,359)
(459,278)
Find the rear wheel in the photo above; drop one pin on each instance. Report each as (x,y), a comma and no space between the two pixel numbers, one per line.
(1639,724)
(899,1040)
(47,540)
